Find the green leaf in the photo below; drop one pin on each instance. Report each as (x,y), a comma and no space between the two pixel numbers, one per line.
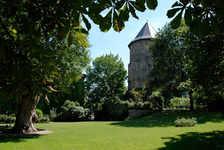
(175,23)
(152,4)
(139,5)
(118,24)
(124,14)
(184,1)
(88,25)
(176,4)
(132,10)
(188,16)
(105,23)
(170,13)
(69,40)
(119,4)
(196,2)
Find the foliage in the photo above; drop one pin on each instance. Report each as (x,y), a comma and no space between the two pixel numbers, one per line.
(204,17)
(141,105)
(7,106)
(37,36)
(206,69)
(169,61)
(45,119)
(113,109)
(157,100)
(105,80)
(72,111)
(183,122)
(141,99)
(138,95)
(75,90)
(39,114)
(179,102)
(205,48)
(7,118)
(53,114)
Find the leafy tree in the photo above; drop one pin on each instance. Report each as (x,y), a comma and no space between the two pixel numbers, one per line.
(72,62)
(27,61)
(205,19)
(106,79)
(168,53)
(206,69)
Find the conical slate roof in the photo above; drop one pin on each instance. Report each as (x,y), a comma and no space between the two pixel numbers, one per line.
(147,32)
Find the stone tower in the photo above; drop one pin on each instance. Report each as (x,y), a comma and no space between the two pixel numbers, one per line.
(140,58)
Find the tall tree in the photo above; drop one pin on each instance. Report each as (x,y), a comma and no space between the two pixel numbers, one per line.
(26,26)
(106,79)
(206,47)
(169,61)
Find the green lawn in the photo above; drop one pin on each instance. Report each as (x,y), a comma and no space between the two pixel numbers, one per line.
(155,132)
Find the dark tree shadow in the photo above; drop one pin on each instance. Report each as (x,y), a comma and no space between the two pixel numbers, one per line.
(196,141)
(7,136)
(164,119)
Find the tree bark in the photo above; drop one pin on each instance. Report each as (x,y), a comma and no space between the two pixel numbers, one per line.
(26,109)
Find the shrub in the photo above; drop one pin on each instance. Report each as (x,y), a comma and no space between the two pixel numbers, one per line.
(72,111)
(179,102)
(183,122)
(138,95)
(7,118)
(113,109)
(53,114)
(45,119)
(148,105)
(39,114)
(157,100)
(141,105)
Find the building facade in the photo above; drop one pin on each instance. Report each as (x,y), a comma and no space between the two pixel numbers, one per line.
(140,58)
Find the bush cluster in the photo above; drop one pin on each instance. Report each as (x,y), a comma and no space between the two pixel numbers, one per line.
(41,116)
(141,99)
(183,122)
(179,102)
(7,118)
(113,109)
(141,105)
(70,111)
(44,119)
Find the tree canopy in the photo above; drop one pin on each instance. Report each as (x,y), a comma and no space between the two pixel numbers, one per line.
(106,79)
(31,34)
(169,61)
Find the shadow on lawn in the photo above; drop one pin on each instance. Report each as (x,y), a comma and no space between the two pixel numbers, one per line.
(196,141)
(165,119)
(5,136)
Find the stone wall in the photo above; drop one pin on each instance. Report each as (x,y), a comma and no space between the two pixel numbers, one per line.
(140,63)
(137,113)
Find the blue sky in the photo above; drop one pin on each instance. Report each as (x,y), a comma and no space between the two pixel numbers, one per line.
(117,42)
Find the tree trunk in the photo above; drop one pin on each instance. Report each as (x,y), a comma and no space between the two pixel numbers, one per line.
(26,109)
(191,100)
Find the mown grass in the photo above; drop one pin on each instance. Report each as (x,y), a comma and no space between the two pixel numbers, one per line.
(156,132)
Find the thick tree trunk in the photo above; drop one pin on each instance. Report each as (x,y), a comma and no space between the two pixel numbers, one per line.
(26,109)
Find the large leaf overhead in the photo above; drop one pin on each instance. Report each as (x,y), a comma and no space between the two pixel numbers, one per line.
(175,23)
(152,4)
